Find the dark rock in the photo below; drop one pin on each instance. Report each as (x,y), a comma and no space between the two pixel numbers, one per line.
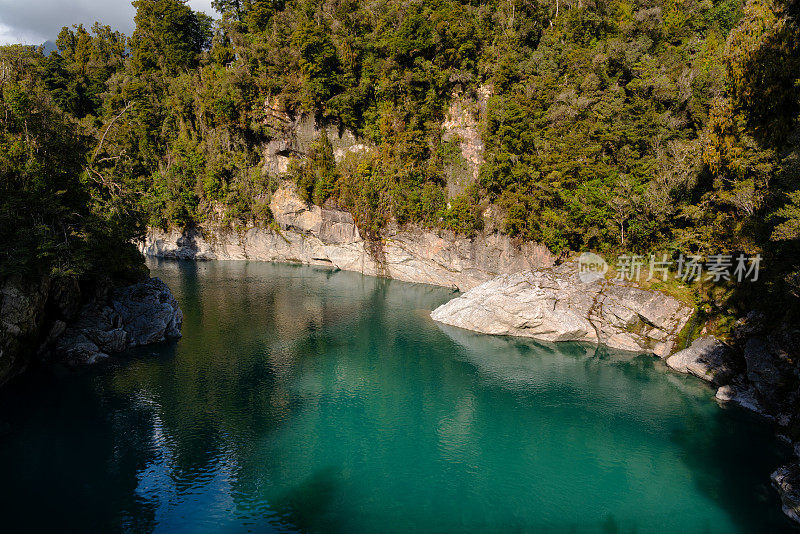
(79,350)
(65,297)
(786,481)
(22,311)
(771,371)
(148,311)
(109,340)
(56,330)
(139,314)
(707,358)
(753,324)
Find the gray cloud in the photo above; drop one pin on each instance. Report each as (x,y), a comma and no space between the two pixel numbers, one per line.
(35,21)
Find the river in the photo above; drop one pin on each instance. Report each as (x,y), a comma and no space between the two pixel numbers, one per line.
(306,400)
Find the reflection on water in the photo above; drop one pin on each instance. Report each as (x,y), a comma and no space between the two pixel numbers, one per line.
(304,400)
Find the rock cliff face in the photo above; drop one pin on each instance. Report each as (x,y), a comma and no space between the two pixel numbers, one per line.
(320,236)
(462,125)
(22,310)
(555,305)
(52,320)
(295,134)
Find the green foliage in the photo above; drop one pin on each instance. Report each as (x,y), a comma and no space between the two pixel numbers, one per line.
(462,216)
(789,229)
(316,177)
(76,75)
(169,36)
(614,125)
(363,192)
(56,217)
(319,64)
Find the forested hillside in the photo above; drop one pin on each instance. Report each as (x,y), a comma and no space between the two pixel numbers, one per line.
(58,216)
(617,126)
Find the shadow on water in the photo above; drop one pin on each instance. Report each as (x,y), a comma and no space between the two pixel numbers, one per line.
(64,453)
(307,506)
(730,451)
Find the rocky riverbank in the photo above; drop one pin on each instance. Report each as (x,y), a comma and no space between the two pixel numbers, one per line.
(313,235)
(55,320)
(757,370)
(555,305)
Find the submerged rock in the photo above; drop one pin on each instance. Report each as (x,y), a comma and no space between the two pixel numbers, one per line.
(556,305)
(786,480)
(707,358)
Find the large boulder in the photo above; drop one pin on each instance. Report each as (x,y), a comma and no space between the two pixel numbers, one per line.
(707,358)
(44,319)
(138,314)
(148,312)
(556,305)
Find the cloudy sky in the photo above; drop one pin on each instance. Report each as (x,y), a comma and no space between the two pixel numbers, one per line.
(35,21)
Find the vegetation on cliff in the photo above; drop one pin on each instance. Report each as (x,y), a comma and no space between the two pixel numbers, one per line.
(612,125)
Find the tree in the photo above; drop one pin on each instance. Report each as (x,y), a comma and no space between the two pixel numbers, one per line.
(319,63)
(55,217)
(789,229)
(169,36)
(317,177)
(79,71)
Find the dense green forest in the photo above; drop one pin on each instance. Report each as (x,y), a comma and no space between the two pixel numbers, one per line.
(612,125)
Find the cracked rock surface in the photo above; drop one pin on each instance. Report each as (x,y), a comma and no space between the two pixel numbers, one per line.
(786,481)
(55,320)
(314,235)
(136,315)
(555,305)
(707,358)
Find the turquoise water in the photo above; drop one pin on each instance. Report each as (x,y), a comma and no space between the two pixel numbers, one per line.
(302,400)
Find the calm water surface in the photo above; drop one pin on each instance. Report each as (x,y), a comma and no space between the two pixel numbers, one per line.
(302,400)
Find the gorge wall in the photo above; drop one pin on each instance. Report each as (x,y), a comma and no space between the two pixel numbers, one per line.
(313,235)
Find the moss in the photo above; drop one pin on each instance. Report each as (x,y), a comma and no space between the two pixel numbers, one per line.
(689,332)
